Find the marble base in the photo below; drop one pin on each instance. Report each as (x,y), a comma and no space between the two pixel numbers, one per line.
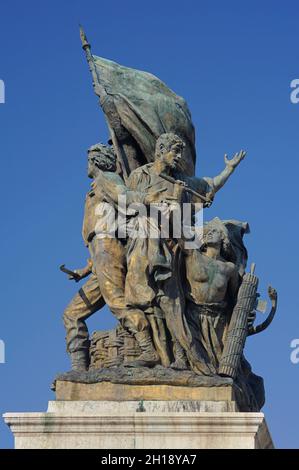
(172,424)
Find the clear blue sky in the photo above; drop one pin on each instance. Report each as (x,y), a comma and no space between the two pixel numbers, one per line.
(233,62)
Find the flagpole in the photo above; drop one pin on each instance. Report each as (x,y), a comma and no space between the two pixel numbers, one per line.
(100,91)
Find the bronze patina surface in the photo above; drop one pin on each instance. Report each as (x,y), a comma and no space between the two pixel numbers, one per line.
(183,311)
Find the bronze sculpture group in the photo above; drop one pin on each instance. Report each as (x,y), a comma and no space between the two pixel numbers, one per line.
(187,306)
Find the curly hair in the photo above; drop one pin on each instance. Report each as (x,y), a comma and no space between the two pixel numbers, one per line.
(227,251)
(165,142)
(103,156)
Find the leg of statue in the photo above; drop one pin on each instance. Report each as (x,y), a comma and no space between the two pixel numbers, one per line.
(185,350)
(160,336)
(181,361)
(110,265)
(86,302)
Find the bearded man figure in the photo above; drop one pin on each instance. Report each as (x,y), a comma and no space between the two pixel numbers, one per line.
(107,266)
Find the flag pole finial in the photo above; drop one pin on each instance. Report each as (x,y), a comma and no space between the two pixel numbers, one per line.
(84,40)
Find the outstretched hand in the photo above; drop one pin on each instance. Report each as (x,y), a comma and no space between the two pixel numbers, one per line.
(237,158)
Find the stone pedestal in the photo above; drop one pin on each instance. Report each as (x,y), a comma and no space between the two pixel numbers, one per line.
(186,418)
(107,391)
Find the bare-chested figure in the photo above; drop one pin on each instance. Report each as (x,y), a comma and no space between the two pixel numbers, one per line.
(212,284)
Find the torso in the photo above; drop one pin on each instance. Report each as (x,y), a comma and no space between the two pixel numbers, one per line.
(144,179)
(208,278)
(92,200)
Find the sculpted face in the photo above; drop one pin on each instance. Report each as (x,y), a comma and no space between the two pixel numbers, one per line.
(99,160)
(172,156)
(213,236)
(91,164)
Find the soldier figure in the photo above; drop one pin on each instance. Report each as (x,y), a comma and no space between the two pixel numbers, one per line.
(153,279)
(107,269)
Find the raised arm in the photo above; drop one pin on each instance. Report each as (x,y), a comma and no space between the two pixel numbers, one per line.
(230,165)
(207,186)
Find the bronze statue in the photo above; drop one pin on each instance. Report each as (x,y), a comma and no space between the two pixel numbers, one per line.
(107,270)
(184,312)
(151,276)
(212,282)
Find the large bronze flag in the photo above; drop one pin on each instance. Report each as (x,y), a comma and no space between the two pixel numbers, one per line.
(139,108)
